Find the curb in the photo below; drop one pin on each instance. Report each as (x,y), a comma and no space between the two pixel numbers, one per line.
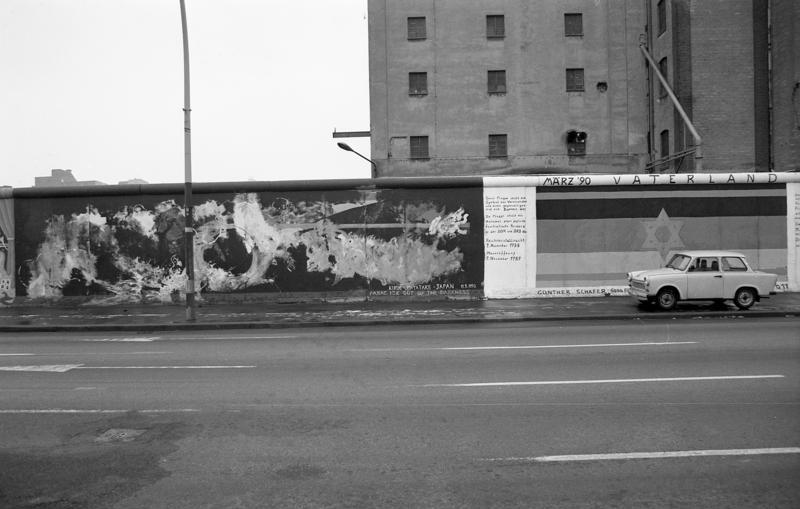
(182,326)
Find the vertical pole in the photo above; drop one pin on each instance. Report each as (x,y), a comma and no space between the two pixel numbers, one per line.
(188,236)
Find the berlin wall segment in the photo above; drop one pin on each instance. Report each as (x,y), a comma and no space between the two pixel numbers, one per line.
(7,252)
(377,241)
(417,238)
(588,231)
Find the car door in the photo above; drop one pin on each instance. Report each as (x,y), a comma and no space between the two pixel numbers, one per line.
(735,275)
(704,279)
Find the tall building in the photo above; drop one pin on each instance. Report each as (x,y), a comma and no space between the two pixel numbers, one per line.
(466,87)
(506,86)
(785,84)
(714,54)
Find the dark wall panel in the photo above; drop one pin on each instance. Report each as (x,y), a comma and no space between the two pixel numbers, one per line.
(376,242)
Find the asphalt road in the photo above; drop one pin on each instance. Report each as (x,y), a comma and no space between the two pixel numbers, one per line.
(674,413)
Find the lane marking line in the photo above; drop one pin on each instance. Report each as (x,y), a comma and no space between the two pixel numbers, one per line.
(227,337)
(525,347)
(44,368)
(649,455)
(97,411)
(63,368)
(15,354)
(73,354)
(123,340)
(609,381)
(113,315)
(163,367)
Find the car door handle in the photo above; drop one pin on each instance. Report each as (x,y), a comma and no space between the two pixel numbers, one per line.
(719,275)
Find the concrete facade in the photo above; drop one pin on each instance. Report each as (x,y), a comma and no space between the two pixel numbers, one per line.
(535,112)
(734,66)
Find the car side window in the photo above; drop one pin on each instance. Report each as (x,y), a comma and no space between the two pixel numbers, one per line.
(733,264)
(706,264)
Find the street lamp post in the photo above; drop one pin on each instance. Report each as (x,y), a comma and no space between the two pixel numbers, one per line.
(188,232)
(345,146)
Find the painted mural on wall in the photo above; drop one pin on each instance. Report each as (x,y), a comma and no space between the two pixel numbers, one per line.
(593,236)
(6,252)
(6,271)
(385,242)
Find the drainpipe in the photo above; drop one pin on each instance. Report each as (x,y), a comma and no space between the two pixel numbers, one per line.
(698,142)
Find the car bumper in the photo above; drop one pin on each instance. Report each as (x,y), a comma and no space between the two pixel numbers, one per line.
(638,294)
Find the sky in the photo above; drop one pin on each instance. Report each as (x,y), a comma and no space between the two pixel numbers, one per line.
(96,86)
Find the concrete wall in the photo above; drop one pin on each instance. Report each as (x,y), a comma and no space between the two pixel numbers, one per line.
(580,235)
(298,241)
(455,238)
(536,112)
(7,241)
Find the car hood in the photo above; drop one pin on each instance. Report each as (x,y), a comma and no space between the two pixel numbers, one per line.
(641,274)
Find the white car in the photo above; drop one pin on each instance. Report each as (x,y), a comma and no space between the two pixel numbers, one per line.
(702,275)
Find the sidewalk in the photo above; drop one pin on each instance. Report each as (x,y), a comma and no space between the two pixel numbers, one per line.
(135,318)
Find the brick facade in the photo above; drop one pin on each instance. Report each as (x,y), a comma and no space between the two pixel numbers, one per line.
(785,85)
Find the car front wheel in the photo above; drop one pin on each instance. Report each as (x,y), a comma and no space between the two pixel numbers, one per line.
(666,299)
(744,298)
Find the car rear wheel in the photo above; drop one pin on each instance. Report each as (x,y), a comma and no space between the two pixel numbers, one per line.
(667,298)
(744,298)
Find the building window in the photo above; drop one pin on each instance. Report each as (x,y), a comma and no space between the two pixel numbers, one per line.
(574,80)
(662,68)
(498,145)
(497,82)
(418,83)
(419,147)
(416,29)
(662,16)
(573,25)
(495,26)
(576,143)
(665,143)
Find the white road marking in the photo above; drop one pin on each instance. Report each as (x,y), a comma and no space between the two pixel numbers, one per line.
(186,338)
(230,337)
(54,354)
(117,315)
(164,367)
(97,411)
(650,455)
(15,354)
(123,340)
(45,368)
(525,347)
(610,381)
(63,368)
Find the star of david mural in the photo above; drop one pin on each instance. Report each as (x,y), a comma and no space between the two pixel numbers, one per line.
(662,234)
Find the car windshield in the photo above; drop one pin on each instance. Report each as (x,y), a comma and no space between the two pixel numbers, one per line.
(678,262)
